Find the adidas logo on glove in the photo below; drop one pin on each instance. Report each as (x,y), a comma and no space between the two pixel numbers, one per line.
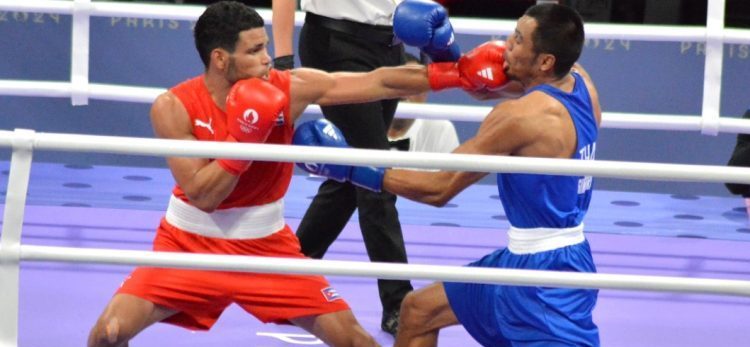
(486,74)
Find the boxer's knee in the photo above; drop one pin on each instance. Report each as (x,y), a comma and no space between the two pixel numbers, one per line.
(107,333)
(414,311)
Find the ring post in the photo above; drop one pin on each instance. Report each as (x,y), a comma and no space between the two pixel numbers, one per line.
(713,68)
(10,240)
(79,62)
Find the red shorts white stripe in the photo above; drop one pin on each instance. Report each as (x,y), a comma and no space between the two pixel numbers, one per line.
(201,296)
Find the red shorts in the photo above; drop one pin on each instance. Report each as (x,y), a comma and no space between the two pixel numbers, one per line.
(201,296)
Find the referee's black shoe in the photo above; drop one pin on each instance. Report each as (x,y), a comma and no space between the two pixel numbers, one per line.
(389,323)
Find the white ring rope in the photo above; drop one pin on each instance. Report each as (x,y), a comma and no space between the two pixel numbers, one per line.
(387,270)
(460,113)
(352,156)
(715,35)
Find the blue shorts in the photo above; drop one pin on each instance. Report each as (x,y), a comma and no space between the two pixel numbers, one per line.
(500,315)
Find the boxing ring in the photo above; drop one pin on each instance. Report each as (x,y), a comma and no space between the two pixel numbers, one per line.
(58,275)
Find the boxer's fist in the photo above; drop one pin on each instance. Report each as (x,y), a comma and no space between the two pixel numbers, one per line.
(322,132)
(425,24)
(481,69)
(253,107)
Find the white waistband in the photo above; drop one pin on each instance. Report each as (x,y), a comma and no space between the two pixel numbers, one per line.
(535,240)
(232,223)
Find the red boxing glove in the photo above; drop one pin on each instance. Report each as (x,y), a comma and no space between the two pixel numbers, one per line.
(480,69)
(443,75)
(253,107)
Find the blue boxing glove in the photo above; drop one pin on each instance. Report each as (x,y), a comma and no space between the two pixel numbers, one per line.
(322,132)
(425,24)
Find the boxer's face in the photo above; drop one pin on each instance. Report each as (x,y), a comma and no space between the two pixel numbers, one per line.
(250,57)
(521,59)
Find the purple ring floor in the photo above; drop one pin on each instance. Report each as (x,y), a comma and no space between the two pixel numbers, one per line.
(657,234)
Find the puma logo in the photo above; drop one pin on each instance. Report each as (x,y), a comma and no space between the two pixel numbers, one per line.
(200,123)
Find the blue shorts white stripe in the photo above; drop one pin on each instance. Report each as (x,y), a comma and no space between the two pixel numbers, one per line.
(499,315)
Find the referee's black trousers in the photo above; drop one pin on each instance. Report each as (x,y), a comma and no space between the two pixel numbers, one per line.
(364,126)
